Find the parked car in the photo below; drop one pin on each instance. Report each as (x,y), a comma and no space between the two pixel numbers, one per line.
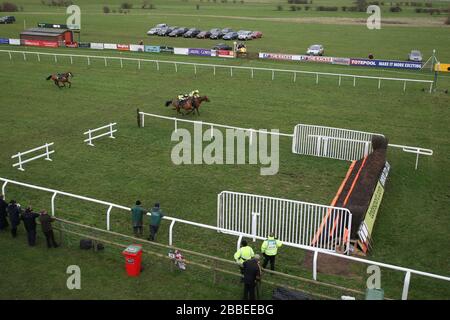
(7,19)
(415,55)
(257,34)
(315,50)
(226,30)
(166,31)
(178,32)
(156,29)
(191,33)
(216,34)
(230,36)
(246,35)
(222,46)
(203,35)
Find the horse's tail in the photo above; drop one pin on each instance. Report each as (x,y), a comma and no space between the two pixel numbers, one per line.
(49,77)
(168,103)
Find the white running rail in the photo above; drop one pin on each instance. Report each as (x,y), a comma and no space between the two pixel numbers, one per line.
(218,66)
(20,155)
(108,133)
(408,272)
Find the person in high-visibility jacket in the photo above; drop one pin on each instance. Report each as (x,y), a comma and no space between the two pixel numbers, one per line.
(244,253)
(269,249)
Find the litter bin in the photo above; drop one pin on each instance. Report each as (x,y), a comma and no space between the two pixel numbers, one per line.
(133,257)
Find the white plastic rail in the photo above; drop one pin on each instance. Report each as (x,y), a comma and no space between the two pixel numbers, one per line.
(109,133)
(20,155)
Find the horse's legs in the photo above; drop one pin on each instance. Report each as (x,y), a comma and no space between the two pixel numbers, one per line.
(70,84)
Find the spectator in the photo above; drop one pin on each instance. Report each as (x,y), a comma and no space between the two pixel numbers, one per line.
(252,274)
(155,220)
(137,213)
(370,56)
(3,213)
(29,221)
(47,229)
(14,216)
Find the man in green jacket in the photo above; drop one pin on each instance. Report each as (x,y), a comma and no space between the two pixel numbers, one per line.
(269,248)
(155,220)
(137,213)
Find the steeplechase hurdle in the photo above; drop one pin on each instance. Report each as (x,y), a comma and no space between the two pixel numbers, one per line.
(20,155)
(110,132)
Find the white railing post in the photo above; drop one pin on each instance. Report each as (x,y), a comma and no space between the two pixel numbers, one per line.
(315,265)
(108,220)
(171,232)
(251,136)
(340,78)
(273,74)
(20,162)
(212,132)
(252,72)
(431,87)
(295,76)
(121,63)
(90,138)
(47,152)
(142,120)
(3,189)
(176,126)
(139,64)
(231,71)
(317,78)
(106,63)
(176,67)
(254,224)
(354,81)
(406,285)
(71,60)
(111,131)
(10,56)
(24,57)
(53,203)
(417,160)
(39,57)
(379,83)
(195,69)
(214,70)
(88,61)
(404,86)
(157,65)
(56,60)
(238,244)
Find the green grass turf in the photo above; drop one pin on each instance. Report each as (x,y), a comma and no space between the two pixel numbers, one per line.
(412,226)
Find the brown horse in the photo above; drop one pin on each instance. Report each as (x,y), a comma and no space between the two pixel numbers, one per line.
(190,104)
(61,78)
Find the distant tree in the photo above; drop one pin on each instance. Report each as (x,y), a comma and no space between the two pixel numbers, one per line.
(8,7)
(106,9)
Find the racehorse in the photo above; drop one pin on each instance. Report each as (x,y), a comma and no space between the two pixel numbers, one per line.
(61,77)
(191,104)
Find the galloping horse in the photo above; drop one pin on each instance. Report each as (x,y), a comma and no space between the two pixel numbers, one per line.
(190,104)
(61,77)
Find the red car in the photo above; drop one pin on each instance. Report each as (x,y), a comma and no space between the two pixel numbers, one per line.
(256,34)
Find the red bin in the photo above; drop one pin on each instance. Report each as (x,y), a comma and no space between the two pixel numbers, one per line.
(133,257)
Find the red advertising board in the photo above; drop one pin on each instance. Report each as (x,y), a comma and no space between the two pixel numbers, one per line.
(123,47)
(72,44)
(41,43)
(225,53)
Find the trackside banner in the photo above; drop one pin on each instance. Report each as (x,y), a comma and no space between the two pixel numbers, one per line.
(4,41)
(84,45)
(41,43)
(111,46)
(95,45)
(225,53)
(182,51)
(123,47)
(199,52)
(155,49)
(386,64)
(137,47)
(279,56)
(15,42)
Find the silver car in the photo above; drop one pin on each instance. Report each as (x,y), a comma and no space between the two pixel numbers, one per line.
(245,35)
(415,55)
(315,50)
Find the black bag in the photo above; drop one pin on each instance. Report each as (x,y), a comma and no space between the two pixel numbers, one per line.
(286,294)
(100,246)
(86,244)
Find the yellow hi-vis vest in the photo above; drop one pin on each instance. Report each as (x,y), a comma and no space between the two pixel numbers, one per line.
(243,254)
(270,246)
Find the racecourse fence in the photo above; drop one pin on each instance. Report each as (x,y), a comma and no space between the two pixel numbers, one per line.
(20,155)
(407,271)
(109,133)
(313,140)
(214,67)
(292,221)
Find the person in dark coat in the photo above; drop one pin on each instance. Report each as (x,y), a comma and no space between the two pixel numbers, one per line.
(14,216)
(252,274)
(3,213)
(47,229)
(29,221)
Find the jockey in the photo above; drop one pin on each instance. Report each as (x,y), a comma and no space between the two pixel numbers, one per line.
(194,94)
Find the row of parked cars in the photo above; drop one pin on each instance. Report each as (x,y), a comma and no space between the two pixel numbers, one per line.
(7,19)
(216,33)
